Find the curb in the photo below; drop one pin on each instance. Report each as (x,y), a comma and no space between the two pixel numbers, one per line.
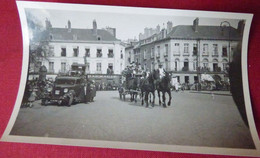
(224,94)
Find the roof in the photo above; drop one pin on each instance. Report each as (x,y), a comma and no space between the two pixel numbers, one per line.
(80,34)
(204,32)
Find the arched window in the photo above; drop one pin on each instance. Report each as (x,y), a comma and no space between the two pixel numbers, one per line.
(185,65)
(176,64)
(215,60)
(215,65)
(205,63)
(225,64)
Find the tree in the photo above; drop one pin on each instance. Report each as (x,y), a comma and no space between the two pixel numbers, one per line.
(38,47)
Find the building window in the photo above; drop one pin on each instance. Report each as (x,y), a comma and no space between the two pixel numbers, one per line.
(205,49)
(63,52)
(88,67)
(186,48)
(51,51)
(205,67)
(225,64)
(215,66)
(122,56)
(195,49)
(145,54)
(185,65)
(75,37)
(215,49)
(99,67)
(158,51)
(186,79)
(195,65)
(99,53)
(110,53)
(166,50)
(110,69)
(152,52)
(224,51)
(177,48)
(87,52)
(51,67)
(76,51)
(99,38)
(196,79)
(63,67)
(177,62)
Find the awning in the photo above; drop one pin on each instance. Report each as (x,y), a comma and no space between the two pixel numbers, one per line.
(207,77)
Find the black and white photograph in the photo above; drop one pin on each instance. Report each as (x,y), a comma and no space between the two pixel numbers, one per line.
(134,78)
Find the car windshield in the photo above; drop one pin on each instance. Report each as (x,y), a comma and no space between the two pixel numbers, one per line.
(65,81)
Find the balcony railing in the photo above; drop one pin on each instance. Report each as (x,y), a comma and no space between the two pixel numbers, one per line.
(165,54)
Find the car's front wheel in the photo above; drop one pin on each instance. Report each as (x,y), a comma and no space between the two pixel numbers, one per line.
(70,100)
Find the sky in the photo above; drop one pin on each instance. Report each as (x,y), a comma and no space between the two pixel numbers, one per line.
(128,26)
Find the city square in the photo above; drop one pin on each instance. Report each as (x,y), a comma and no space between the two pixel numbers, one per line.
(213,120)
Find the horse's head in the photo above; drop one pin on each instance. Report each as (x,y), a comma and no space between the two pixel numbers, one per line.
(156,74)
(168,77)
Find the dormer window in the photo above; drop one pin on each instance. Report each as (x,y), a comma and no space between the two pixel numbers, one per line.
(75,37)
(50,37)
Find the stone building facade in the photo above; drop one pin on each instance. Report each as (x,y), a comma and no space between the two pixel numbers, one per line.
(190,50)
(98,49)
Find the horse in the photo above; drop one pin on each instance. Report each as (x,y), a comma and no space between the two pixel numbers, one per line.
(147,86)
(163,85)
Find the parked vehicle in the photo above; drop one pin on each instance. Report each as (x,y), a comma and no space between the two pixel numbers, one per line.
(66,90)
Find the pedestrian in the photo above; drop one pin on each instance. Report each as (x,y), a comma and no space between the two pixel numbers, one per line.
(32,98)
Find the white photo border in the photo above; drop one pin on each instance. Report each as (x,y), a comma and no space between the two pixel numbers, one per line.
(22,5)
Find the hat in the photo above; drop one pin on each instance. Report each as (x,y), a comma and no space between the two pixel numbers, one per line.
(160,64)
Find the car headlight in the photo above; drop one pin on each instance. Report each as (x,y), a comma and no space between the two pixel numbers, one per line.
(66,90)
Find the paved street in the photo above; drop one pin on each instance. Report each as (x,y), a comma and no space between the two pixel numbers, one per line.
(192,119)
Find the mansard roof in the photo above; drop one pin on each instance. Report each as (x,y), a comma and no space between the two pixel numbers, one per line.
(204,32)
(65,34)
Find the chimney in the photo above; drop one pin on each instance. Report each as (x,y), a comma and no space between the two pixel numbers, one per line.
(69,26)
(195,25)
(240,27)
(169,27)
(94,27)
(164,33)
(47,24)
(158,29)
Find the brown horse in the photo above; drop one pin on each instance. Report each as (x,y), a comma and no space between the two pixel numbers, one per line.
(163,85)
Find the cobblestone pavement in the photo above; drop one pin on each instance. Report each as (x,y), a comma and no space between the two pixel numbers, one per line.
(194,119)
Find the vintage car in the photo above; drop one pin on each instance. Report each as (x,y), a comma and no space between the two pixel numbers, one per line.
(66,90)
